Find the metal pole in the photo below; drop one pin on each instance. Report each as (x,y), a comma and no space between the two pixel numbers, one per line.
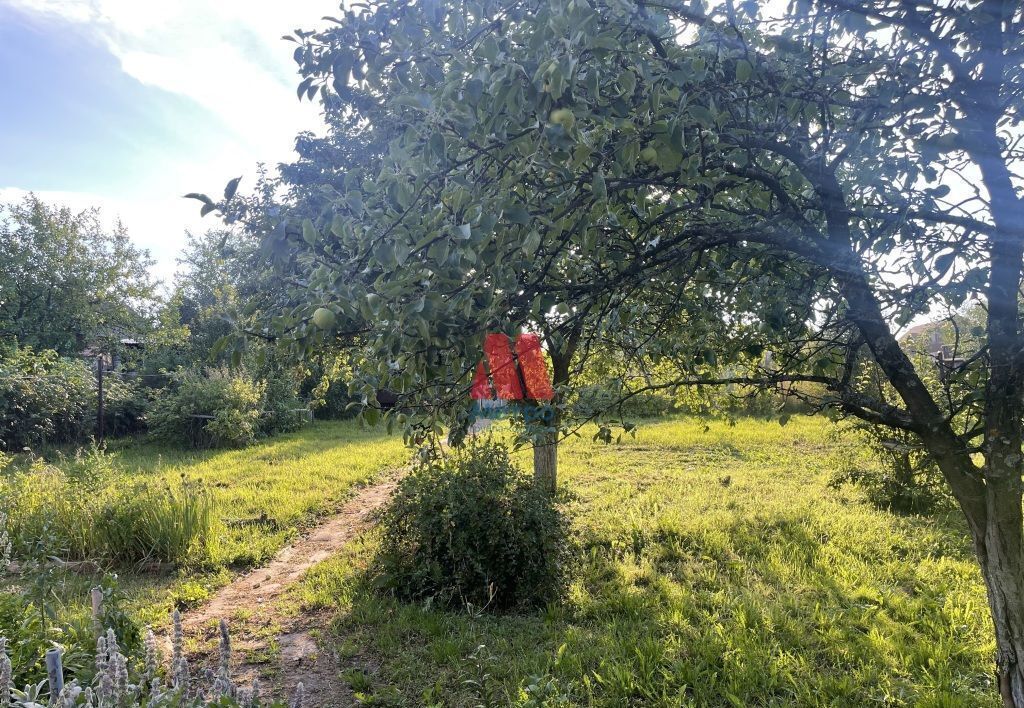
(99,389)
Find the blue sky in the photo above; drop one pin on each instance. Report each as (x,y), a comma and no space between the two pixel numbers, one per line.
(127,105)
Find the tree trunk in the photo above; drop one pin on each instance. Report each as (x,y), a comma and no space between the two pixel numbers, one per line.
(545,462)
(1001,556)
(545,450)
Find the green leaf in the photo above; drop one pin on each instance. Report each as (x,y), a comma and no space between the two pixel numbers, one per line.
(743,70)
(943,262)
(627,83)
(201,197)
(309,233)
(598,186)
(231,188)
(463,232)
(518,214)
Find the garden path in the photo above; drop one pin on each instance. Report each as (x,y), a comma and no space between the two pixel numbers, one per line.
(270,640)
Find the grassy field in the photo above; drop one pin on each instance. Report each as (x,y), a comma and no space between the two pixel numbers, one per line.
(718,569)
(260,497)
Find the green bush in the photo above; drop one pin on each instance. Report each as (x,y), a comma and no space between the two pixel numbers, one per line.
(124,406)
(282,409)
(905,478)
(216,409)
(223,408)
(472,529)
(44,398)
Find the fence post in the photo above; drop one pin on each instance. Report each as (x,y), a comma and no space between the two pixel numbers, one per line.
(99,391)
(54,673)
(96,596)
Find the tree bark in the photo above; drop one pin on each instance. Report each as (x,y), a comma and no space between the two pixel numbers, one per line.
(1001,556)
(545,450)
(545,462)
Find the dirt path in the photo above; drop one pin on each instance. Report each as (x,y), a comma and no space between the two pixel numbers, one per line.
(277,646)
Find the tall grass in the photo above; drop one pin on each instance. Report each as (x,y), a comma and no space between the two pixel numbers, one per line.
(81,509)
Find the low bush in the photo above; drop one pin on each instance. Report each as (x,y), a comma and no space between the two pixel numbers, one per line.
(125,405)
(282,409)
(44,398)
(472,530)
(223,408)
(905,478)
(81,509)
(215,409)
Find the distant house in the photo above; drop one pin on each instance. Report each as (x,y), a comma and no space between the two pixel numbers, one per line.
(114,352)
(929,336)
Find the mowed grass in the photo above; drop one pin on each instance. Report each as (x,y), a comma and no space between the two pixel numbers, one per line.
(718,569)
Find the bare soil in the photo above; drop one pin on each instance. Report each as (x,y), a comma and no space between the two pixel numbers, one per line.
(281,647)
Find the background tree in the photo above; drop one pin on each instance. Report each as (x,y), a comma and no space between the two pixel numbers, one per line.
(66,281)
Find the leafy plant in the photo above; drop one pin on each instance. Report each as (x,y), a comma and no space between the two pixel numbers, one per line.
(470,530)
(223,408)
(905,478)
(213,409)
(44,398)
(81,515)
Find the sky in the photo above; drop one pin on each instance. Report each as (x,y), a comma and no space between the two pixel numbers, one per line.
(127,105)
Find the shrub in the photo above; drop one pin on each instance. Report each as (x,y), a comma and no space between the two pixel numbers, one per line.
(124,407)
(218,409)
(44,398)
(905,479)
(223,408)
(472,529)
(282,409)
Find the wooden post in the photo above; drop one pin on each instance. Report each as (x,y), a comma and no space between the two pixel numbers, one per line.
(97,611)
(99,393)
(54,674)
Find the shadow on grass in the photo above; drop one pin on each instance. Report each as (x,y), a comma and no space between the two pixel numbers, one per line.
(765,611)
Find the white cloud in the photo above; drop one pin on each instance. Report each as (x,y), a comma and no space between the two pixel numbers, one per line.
(226,56)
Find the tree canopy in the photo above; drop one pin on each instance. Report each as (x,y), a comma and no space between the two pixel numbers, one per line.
(66,281)
(803,185)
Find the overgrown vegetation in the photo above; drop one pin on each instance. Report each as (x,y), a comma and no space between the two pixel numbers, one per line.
(471,530)
(118,677)
(222,408)
(81,509)
(904,477)
(44,398)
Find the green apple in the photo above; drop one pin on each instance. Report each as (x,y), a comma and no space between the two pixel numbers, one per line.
(649,155)
(324,318)
(562,117)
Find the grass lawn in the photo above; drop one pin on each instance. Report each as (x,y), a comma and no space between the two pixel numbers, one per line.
(262,496)
(718,569)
